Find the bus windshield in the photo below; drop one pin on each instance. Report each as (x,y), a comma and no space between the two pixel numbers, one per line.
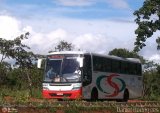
(62,69)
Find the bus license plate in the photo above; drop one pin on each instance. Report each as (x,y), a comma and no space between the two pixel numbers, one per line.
(59,93)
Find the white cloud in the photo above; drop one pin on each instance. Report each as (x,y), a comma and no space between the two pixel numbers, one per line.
(99,36)
(118,3)
(91,42)
(9,27)
(44,42)
(76,2)
(58,34)
(155,57)
(113,3)
(96,36)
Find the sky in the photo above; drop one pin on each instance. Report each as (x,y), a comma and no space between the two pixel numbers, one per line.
(90,25)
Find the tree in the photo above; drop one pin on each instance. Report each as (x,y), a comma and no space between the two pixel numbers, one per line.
(6,48)
(125,54)
(24,58)
(63,46)
(5,68)
(158,42)
(16,50)
(19,52)
(148,20)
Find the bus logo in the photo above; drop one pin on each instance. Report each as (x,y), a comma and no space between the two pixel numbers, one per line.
(110,80)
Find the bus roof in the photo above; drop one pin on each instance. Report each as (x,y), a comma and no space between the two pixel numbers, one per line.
(67,52)
(136,60)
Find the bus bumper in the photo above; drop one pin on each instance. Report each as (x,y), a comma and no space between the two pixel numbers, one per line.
(73,94)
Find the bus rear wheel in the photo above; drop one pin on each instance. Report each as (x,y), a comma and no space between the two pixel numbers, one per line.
(94,94)
(126,95)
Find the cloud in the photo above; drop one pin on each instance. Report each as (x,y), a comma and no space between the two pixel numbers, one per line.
(155,57)
(91,42)
(150,51)
(122,4)
(9,27)
(76,2)
(99,36)
(41,43)
(96,35)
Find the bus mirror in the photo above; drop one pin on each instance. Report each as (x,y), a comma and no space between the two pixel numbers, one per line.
(39,63)
(80,60)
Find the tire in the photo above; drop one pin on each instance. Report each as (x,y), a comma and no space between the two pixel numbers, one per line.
(125,95)
(94,94)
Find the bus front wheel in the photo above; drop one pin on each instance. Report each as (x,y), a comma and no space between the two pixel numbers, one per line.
(94,94)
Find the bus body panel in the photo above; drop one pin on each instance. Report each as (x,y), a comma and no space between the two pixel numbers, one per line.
(109,84)
(61,90)
(72,94)
(112,85)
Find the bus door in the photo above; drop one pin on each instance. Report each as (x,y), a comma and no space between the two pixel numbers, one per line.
(87,76)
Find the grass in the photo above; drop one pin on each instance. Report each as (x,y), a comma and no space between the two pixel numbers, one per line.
(20,96)
(23,97)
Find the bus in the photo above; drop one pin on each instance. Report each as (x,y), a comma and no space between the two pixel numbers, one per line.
(86,75)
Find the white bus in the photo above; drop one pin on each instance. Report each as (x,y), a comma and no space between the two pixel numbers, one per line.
(85,75)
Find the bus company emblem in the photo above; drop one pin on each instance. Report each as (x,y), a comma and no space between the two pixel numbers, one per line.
(109,80)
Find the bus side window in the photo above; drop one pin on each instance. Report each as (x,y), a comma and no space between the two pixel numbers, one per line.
(139,69)
(115,66)
(87,70)
(123,67)
(107,63)
(97,63)
(132,68)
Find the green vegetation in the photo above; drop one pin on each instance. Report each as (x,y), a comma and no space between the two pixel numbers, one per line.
(63,46)
(147,26)
(20,80)
(148,20)
(152,84)
(126,54)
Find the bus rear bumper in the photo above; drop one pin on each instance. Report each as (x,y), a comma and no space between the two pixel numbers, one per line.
(73,94)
